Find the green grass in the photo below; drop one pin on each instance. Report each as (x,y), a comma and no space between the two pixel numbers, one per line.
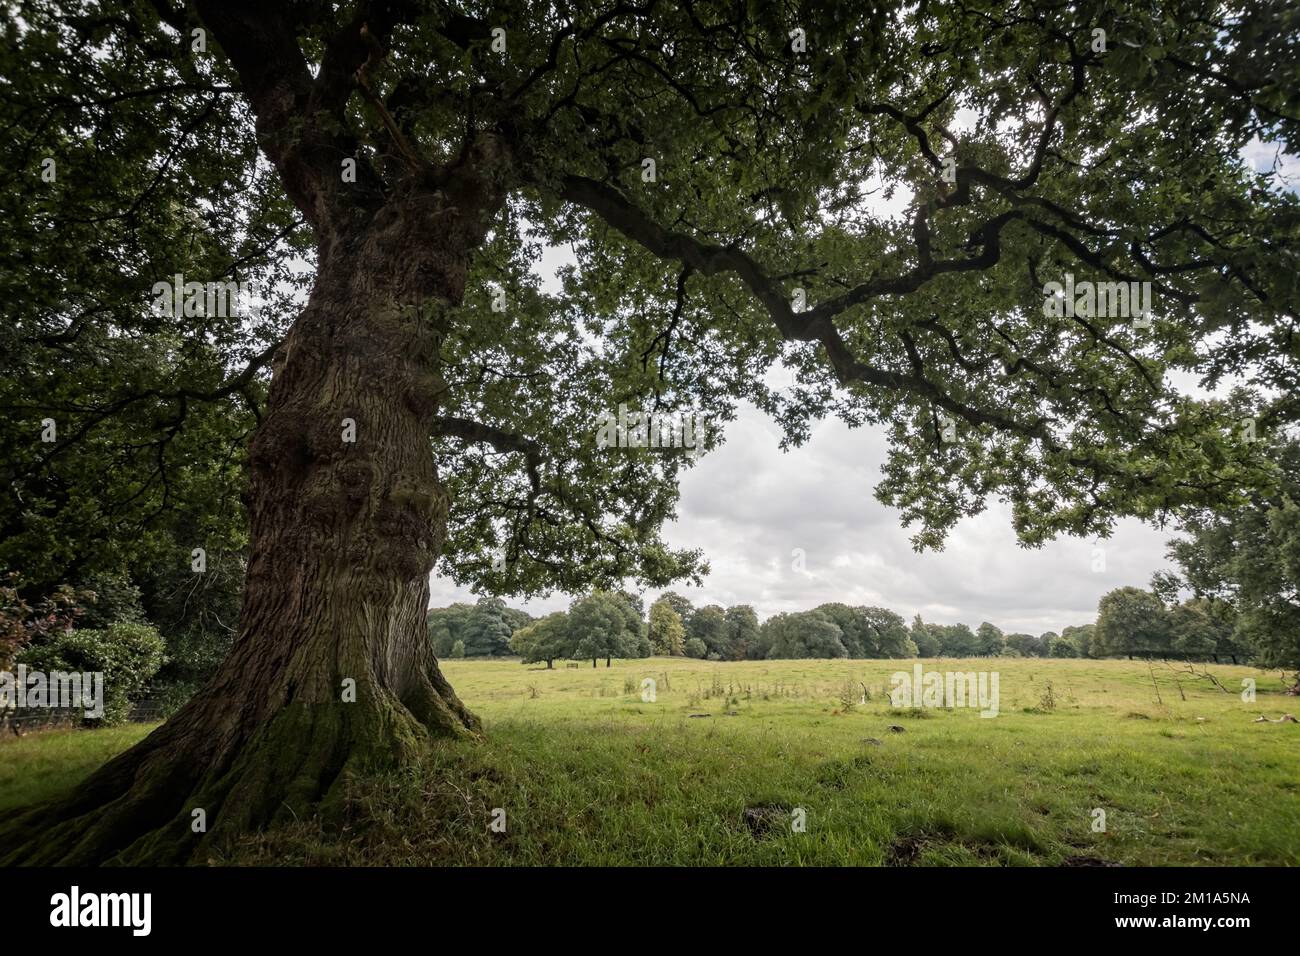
(588,774)
(39,766)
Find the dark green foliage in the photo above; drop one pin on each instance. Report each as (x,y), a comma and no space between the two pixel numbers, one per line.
(923,638)
(1246,561)
(545,639)
(955,640)
(603,624)
(1134,623)
(709,626)
(484,627)
(1026,645)
(1083,637)
(742,631)
(128,654)
(486,632)
(990,640)
(802,634)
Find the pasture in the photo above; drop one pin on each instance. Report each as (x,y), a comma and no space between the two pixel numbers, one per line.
(784,763)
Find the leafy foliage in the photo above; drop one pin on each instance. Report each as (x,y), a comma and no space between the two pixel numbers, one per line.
(127,654)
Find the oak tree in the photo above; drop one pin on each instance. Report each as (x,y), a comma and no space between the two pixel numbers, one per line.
(886,199)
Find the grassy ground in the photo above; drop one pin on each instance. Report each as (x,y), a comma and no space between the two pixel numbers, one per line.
(38,766)
(588,773)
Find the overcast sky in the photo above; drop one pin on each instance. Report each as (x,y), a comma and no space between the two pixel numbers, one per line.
(749,505)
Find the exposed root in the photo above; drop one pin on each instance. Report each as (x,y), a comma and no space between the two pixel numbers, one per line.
(140,808)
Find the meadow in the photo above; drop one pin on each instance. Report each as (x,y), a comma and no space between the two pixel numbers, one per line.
(805,763)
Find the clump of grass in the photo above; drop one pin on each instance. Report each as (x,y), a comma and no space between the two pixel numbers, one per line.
(1047,701)
(848,700)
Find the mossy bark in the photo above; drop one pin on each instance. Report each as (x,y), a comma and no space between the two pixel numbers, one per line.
(332,671)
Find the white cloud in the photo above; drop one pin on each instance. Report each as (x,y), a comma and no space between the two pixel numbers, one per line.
(749,505)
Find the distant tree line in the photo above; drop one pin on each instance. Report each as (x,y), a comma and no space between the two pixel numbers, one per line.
(603,625)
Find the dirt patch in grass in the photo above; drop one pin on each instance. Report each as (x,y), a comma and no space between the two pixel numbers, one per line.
(1088,861)
(905,850)
(766,820)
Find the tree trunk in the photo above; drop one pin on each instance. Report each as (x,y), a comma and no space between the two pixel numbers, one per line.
(607,662)
(331,671)
(593,663)
(550,664)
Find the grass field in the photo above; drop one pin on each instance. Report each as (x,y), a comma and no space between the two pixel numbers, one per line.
(586,772)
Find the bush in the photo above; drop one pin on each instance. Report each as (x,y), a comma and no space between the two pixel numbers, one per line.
(193,655)
(128,654)
(21,623)
(695,648)
(458,649)
(115,600)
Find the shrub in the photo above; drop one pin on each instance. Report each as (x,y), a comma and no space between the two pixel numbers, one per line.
(696,648)
(458,649)
(21,623)
(112,598)
(128,654)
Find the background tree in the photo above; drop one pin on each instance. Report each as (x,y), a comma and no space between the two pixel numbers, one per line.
(1192,634)
(696,649)
(1230,642)
(667,636)
(1026,645)
(544,640)
(923,637)
(742,631)
(1132,622)
(889,636)
(447,625)
(603,624)
(856,632)
(955,640)
(1059,645)
(1247,561)
(1083,637)
(803,634)
(639,645)
(487,632)
(473,425)
(989,640)
(515,618)
(709,625)
(681,605)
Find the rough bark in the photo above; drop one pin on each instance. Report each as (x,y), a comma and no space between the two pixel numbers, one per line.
(343,538)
